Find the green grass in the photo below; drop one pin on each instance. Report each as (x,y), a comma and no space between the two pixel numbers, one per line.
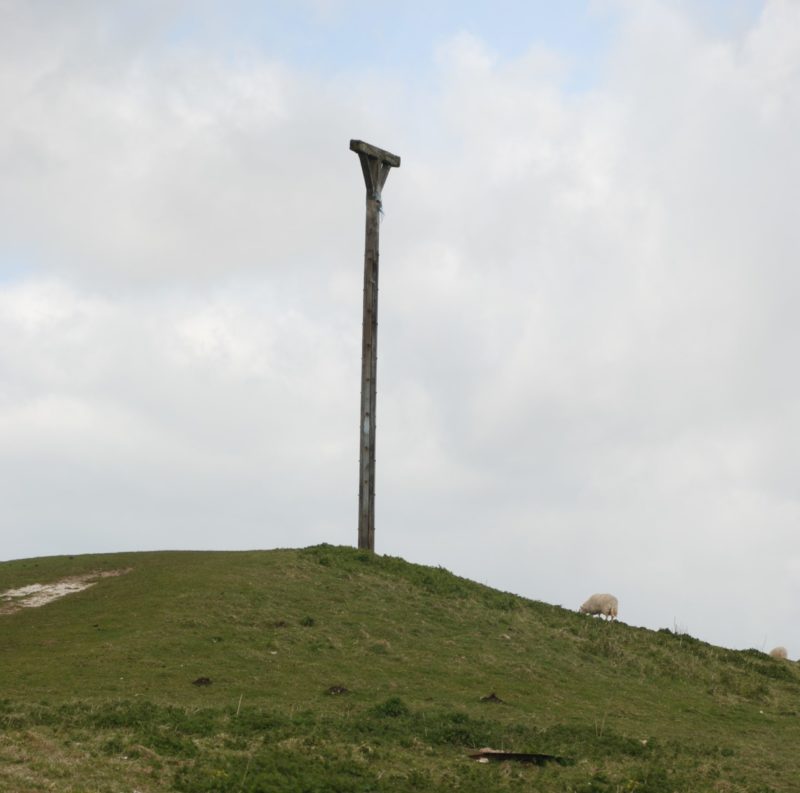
(96,689)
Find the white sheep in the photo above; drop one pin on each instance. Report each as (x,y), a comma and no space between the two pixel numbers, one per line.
(604,605)
(779,652)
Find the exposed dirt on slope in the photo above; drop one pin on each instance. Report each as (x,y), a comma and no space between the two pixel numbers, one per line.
(35,595)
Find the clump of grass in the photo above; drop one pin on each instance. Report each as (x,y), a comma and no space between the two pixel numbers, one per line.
(392,707)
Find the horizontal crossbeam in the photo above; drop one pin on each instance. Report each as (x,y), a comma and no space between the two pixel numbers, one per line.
(369,150)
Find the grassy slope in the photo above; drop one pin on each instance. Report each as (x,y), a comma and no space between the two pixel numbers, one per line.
(97,695)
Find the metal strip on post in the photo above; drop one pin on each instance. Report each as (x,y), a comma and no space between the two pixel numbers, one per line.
(375,165)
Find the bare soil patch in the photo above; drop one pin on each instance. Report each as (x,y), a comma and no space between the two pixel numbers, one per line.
(35,595)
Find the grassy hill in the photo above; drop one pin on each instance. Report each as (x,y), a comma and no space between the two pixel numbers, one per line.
(97,692)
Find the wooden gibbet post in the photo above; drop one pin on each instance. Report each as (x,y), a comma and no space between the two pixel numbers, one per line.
(375,163)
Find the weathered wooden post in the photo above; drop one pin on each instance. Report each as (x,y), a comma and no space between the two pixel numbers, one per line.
(375,163)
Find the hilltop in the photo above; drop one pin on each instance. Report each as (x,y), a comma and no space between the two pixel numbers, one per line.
(331,669)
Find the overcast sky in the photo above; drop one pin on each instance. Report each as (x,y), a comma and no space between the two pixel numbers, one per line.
(589,308)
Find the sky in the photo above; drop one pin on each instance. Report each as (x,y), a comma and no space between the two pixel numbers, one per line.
(588,316)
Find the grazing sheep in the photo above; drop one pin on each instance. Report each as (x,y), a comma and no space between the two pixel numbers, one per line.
(779,652)
(604,605)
